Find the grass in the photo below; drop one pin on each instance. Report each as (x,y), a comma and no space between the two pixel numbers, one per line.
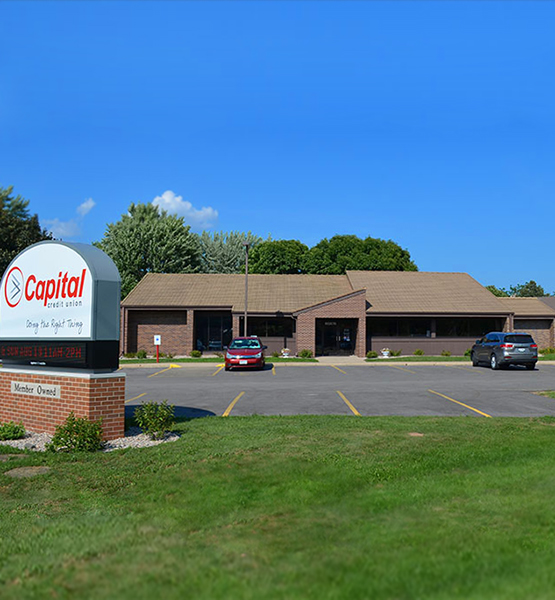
(292,508)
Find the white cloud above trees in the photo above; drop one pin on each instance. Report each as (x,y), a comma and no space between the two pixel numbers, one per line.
(197,218)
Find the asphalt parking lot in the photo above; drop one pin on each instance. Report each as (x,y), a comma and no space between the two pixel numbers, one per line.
(450,389)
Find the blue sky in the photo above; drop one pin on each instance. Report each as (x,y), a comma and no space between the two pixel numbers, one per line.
(429,123)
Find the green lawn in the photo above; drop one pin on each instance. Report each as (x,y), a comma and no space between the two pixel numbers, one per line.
(292,508)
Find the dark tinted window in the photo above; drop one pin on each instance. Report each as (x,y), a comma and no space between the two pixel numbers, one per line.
(519,339)
(245,344)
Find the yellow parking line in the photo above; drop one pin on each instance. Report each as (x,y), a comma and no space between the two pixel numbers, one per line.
(135,398)
(340,370)
(230,407)
(402,369)
(273,369)
(167,369)
(219,369)
(461,403)
(353,409)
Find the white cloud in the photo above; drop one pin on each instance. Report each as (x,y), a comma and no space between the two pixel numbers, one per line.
(72,227)
(197,218)
(62,229)
(85,207)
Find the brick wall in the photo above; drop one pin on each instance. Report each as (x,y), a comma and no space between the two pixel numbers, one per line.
(540,329)
(349,307)
(95,396)
(175,327)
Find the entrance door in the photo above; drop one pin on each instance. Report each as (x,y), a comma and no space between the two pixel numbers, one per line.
(336,337)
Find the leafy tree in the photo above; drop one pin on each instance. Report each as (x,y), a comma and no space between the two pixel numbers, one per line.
(529,289)
(149,240)
(18,228)
(349,252)
(277,257)
(499,292)
(224,252)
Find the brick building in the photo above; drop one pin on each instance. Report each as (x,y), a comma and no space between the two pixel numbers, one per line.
(328,314)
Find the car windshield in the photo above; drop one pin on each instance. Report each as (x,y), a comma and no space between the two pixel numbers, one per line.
(236,344)
(519,339)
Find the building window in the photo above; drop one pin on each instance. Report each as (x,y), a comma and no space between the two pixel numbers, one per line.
(268,326)
(399,327)
(466,326)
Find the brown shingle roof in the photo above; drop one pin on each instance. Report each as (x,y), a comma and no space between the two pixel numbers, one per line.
(267,293)
(528,307)
(425,293)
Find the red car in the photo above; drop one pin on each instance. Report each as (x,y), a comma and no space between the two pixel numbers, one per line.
(245,352)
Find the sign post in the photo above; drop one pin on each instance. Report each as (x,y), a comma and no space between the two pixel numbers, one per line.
(157,342)
(59,338)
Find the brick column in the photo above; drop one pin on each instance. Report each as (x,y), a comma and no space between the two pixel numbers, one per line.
(43,399)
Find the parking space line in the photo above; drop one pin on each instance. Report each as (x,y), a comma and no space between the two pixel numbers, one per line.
(461,403)
(135,398)
(230,407)
(164,370)
(402,369)
(340,370)
(273,369)
(353,409)
(219,369)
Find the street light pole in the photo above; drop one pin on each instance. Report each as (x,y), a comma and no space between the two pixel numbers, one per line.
(246,244)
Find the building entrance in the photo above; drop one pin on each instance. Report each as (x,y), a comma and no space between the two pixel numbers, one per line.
(336,337)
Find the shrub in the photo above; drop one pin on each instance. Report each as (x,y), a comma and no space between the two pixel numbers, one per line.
(77,434)
(12,431)
(169,355)
(445,353)
(196,353)
(371,354)
(396,352)
(141,354)
(275,354)
(219,354)
(162,354)
(306,353)
(548,350)
(418,352)
(155,418)
(468,352)
(130,355)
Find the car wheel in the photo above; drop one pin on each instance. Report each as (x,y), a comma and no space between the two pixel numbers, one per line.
(474,360)
(493,362)
(531,366)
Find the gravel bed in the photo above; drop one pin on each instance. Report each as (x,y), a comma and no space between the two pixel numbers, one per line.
(134,438)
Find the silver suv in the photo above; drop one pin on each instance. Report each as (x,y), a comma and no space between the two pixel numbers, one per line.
(502,349)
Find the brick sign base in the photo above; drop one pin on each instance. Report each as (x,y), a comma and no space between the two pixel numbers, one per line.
(44,399)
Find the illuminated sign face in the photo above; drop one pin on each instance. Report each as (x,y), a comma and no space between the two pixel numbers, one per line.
(47,293)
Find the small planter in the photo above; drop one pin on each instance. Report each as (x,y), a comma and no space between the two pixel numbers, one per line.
(386,352)
(285,353)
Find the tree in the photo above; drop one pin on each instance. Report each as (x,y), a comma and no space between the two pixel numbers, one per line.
(529,289)
(18,228)
(349,252)
(499,292)
(224,252)
(277,257)
(149,240)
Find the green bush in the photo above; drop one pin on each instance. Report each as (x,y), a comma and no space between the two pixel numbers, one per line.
(468,352)
(396,352)
(169,355)
(418,352)
(275,354)
(77,434)
(141,354)
(12,431)
(130,355)
(155,418)
(371,354)
(306,353)
(196,353)
(445,353)
(548,350)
